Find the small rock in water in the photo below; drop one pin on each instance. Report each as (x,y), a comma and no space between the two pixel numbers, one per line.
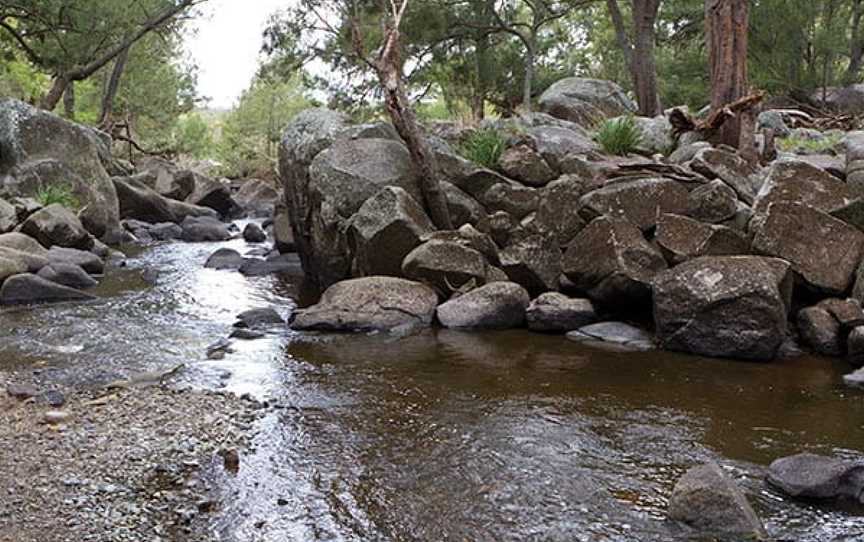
(218,349)
(231,460)
(54,398)
(617,335)
(253,233)
(21,391)
(258,317)
(246,334)
(56,417)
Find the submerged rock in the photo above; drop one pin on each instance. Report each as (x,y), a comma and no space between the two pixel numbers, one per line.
(258,317)
(226,259)
(818,477)
(497,305)
(618,335)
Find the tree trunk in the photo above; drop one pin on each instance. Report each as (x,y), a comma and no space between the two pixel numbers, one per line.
(621,34)
(69,101)
(529,77)
(644,67)
(482,60)
(856,47)
(726,40)
(58,88)
(106,119)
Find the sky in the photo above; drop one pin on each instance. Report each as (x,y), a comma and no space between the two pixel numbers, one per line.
(227,44)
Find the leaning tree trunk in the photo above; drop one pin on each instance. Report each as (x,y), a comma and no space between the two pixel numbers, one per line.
(726,39)
(69,101)
(644,66)
(58,88)
(856,47)
(106,117)
(528,84)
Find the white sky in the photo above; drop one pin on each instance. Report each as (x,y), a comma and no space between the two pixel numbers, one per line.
(227,44)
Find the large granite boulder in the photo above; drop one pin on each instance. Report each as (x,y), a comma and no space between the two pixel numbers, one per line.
(585,101)
(57,225)
(523,163)
(370,304)
(681,238)
(39,150)
(497,305)
(514,199)
(387,227)
(559,144)
(727,306)
(140,202)
(22,242)
(641,201)
(10,266)
(793,181)
(82,258)
(810,476)
(204,229)
(257,198)
(533,262)
(555,312)
(854,142)
(824,251)
(214,195)
(67,274)
(446,264)
(557,214)
(27,289)
(712,202)
(8,216)
(166,178)
(730,168)
(611,261)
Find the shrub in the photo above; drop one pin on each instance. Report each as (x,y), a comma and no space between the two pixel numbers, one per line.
(484,147)
(619,136)
(57,193)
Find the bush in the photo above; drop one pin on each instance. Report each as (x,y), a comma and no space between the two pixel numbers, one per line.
(57,193)
(484,147)
(619,136)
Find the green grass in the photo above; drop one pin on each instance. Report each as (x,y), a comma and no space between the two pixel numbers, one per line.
(484,147)
(57,193)
(619,136)
(826,144)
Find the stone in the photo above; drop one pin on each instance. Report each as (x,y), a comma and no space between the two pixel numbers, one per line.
(612,262)
(370,304)
(204,229)
(847,312)
(386,228)
(585,101)
(687,151)
(27,289)
(556,213)
(497,305)
(261,317)
(282,264)
(526,165)
(848,99)
(533,262)
(39,149)
(516,200)
(555,312)
(854,142)
(724,306)
(792,181)
(713,202)
(23,243)
(613,336)
(810,476)
(824,252)
(464,209)
(246,334)
(10,267)
(88,261)
(22,392)
(503,228)
(772,120)
(558,145)
(283,233)
(8,216)
(225,259)
(640,201)
(821,331)
(214,195)
(706,499)
(855,349)
(681,239)
(70,275)
(253,233)
(165,231)
(140,202)
(166,178)
(56,417)
(57,225)
(730,168)
(258,198)
(447,265)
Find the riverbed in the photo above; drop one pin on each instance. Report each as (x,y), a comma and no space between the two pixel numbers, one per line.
(442,435)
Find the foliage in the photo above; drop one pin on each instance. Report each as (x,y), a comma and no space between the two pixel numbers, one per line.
(484,147)
(798,142)
(193,136)
(57,193)
(620,136)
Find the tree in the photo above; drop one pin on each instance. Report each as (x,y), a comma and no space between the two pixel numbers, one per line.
(639,51)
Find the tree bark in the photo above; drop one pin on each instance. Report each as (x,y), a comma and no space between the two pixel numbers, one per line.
(726,39)
(621,34)
(529,76)
(52,98)
(69,101)
(106,116)
(644,66)
(856,44)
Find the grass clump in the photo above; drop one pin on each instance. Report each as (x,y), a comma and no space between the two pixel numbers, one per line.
(619,136)
(57,193)
(484,147)
(802,143)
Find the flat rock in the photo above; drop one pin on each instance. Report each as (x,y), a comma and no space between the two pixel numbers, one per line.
(640,201)
(555,312)
(618,335)
(811,476)
(497,305)
(27,289)
(68,274)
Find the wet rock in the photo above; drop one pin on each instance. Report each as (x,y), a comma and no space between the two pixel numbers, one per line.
(262,317)
(370,304)
(253,233)
(257,198)
(821,331)
(283,233)
(824,251)
(283,263)
(526,165)
(731,169)
(533,262)
(712,202)
(225,259)
(246,334)
(554,311)
(727,306)
(792,181)
(497,305)
(618,335)
(67,274)
(855,348)
(611,261)
(585,101)
(27,289)
(165,231)
(219,349)
(446,265)
(388,226)
(516,200)
(556,213)
(641,201)
(213,195)
(813,476)
(706,499)
(88,261)
(204,229)
(681,239)
(8,216)
(57,225)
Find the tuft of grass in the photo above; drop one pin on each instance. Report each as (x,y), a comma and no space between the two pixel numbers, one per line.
(484,147)
(619,136)
(800,144)
(57,193)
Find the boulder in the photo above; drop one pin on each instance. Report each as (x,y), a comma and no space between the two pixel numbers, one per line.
(32,261)
(213,195)
(640,201)
(165,231)
(39,149)
(57,225)
(655,135)
(556,213)
(166,179)
(497,305)
(713,202)
(27,289)
(11,266)
(388,226)
(730,168)
(140,202)
(225,258)
(559,145)
(22,242)
(8,216)
(203,229)
(517,200)
(526,165)
(283,234)
(618,336)
(554,311)
(824,252)
(255,318)
(773,120)
(848,99)
(821,331)
(585,101)
(253,233)
(855,163)
(463,208)
(370,304)
(792,181)
(855,349)
(724,306)
(611,261)
(88,261)
(681,239)
(810,476)
(67,274)
(280,264)
(257,198)
(503,228)
(447,265)
(706,499)
(533,262)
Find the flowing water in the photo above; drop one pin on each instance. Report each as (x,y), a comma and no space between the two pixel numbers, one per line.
(446,435)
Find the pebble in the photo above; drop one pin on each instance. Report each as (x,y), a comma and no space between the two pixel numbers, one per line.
(55,417)
(21,391)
